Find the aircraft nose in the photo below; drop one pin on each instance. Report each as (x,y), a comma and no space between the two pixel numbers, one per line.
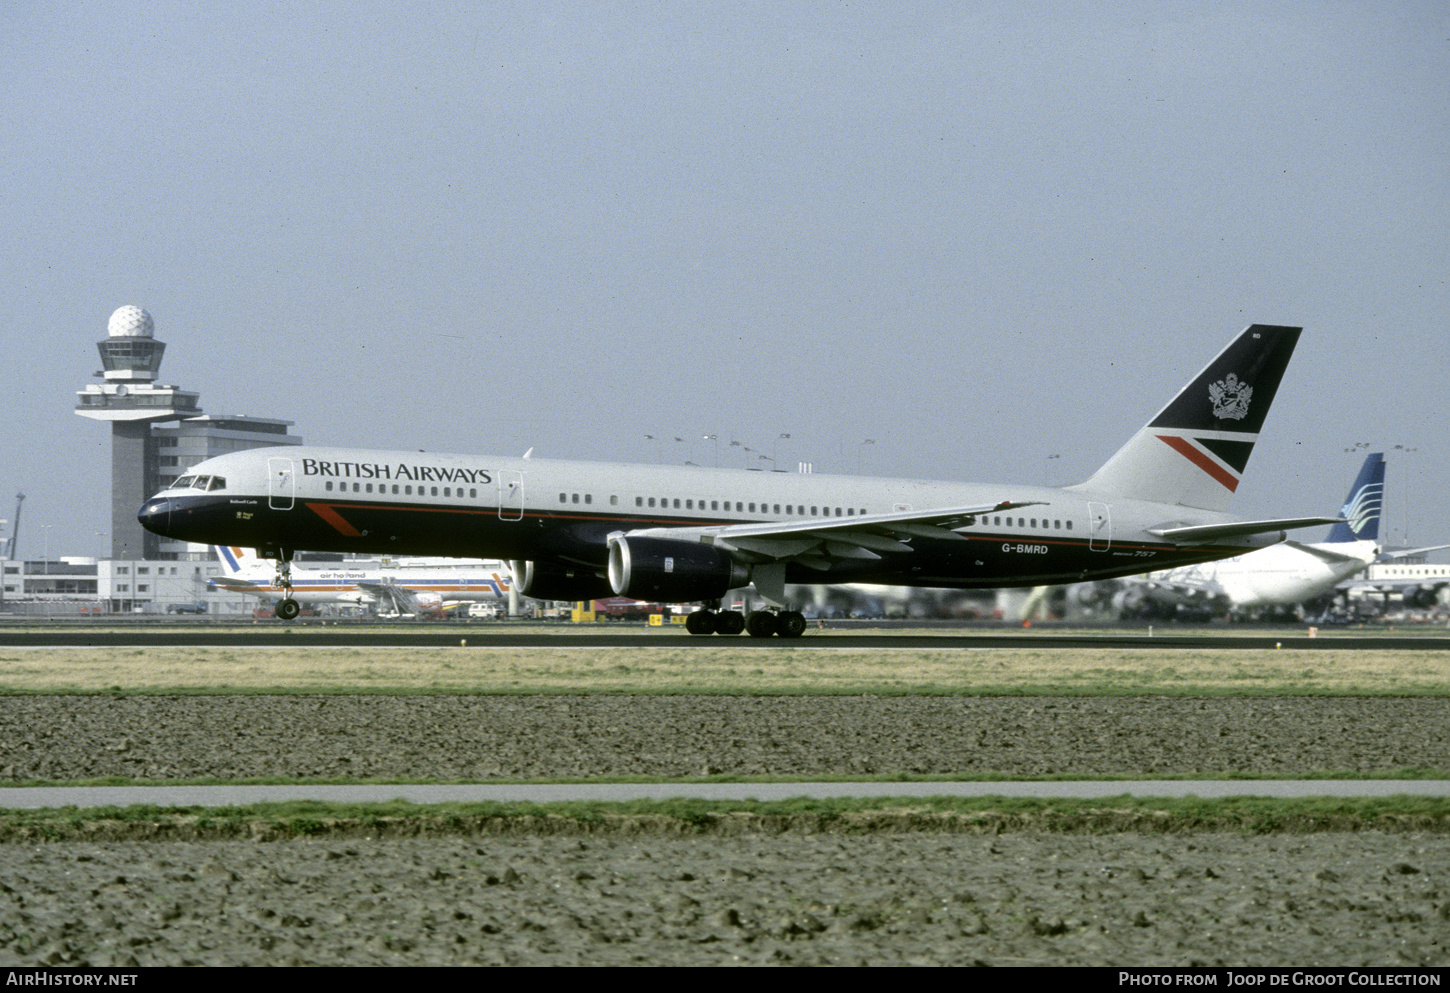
(155,515)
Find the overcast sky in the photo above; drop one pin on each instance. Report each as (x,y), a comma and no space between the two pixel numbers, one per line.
(993,238)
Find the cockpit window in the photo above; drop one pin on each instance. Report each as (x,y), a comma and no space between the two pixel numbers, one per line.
(200,483)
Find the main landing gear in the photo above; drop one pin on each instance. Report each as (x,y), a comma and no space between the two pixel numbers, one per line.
(757,623)
(287,608)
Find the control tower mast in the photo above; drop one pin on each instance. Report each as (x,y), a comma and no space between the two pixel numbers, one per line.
(131,399)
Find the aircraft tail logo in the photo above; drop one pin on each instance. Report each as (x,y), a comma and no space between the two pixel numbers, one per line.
(230,557)
(1230,398)
(1363,505)
(1194,452)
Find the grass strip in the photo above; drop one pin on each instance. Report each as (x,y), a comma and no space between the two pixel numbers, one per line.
(726,670)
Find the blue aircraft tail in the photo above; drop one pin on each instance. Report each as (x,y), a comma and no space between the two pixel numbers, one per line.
(1363,505)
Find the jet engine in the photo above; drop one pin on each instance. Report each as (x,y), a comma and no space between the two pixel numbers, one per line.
(1423,597)
(556,581)
(661,570)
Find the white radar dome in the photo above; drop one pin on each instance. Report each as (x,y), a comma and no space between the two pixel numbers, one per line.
(130,322)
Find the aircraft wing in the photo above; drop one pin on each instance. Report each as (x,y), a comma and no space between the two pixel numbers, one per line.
(1185,586)
(235,584)
(397,599)
(1326,553)
(1404,553)
(818,542)
(824,538)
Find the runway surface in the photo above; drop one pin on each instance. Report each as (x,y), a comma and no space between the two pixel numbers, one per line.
(275,634)
(31,798)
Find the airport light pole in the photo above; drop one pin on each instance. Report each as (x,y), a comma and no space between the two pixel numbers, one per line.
(1405,530)
(775,446)
(49,594)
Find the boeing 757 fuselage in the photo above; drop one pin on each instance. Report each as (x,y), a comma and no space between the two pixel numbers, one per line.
(682,534)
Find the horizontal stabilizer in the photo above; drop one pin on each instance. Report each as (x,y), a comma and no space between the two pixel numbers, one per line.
(1197,533)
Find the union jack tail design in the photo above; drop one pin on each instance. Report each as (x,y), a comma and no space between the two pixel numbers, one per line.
(1194,452)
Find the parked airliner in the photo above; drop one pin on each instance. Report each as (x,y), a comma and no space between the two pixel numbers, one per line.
(683,534)
(1286,573)
(391,587)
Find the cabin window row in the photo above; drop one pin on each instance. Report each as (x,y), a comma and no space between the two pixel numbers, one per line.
(1024,522)
(585,498)
(406,489)
(742,507)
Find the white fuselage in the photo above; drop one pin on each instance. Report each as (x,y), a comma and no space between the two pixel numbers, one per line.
(1282,574)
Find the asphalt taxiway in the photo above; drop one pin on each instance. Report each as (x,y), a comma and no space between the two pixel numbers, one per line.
(276,635)
(51,797)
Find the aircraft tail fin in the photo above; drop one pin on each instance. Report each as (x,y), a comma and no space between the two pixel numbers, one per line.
(1193,453)
(230,558)
(1362,507)
(238,561)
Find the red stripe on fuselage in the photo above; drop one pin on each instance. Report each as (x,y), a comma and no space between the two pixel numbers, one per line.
(1186,448)
(329,514)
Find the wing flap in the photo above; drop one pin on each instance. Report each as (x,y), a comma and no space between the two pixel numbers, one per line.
(767,548)
(848,550)
(924,531)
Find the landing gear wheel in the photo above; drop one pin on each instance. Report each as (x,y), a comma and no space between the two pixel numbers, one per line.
(287,608)
(701,622)
(760,624)
(790,624)
(729,622)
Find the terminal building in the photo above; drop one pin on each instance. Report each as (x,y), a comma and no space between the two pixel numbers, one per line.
(75,585)
(158,432)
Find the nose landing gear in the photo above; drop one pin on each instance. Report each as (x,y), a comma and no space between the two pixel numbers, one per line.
(287,608)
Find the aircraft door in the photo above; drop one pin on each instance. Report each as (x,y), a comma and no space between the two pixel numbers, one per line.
(1100,527)
(281,484)
(510,495)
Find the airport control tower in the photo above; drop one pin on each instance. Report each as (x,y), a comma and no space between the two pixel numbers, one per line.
(131,399)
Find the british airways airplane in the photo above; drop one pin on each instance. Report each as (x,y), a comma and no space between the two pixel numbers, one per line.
(683,534)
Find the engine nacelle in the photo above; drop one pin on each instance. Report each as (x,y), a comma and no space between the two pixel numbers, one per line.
(662,570)
(555,581)
(1423,597)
